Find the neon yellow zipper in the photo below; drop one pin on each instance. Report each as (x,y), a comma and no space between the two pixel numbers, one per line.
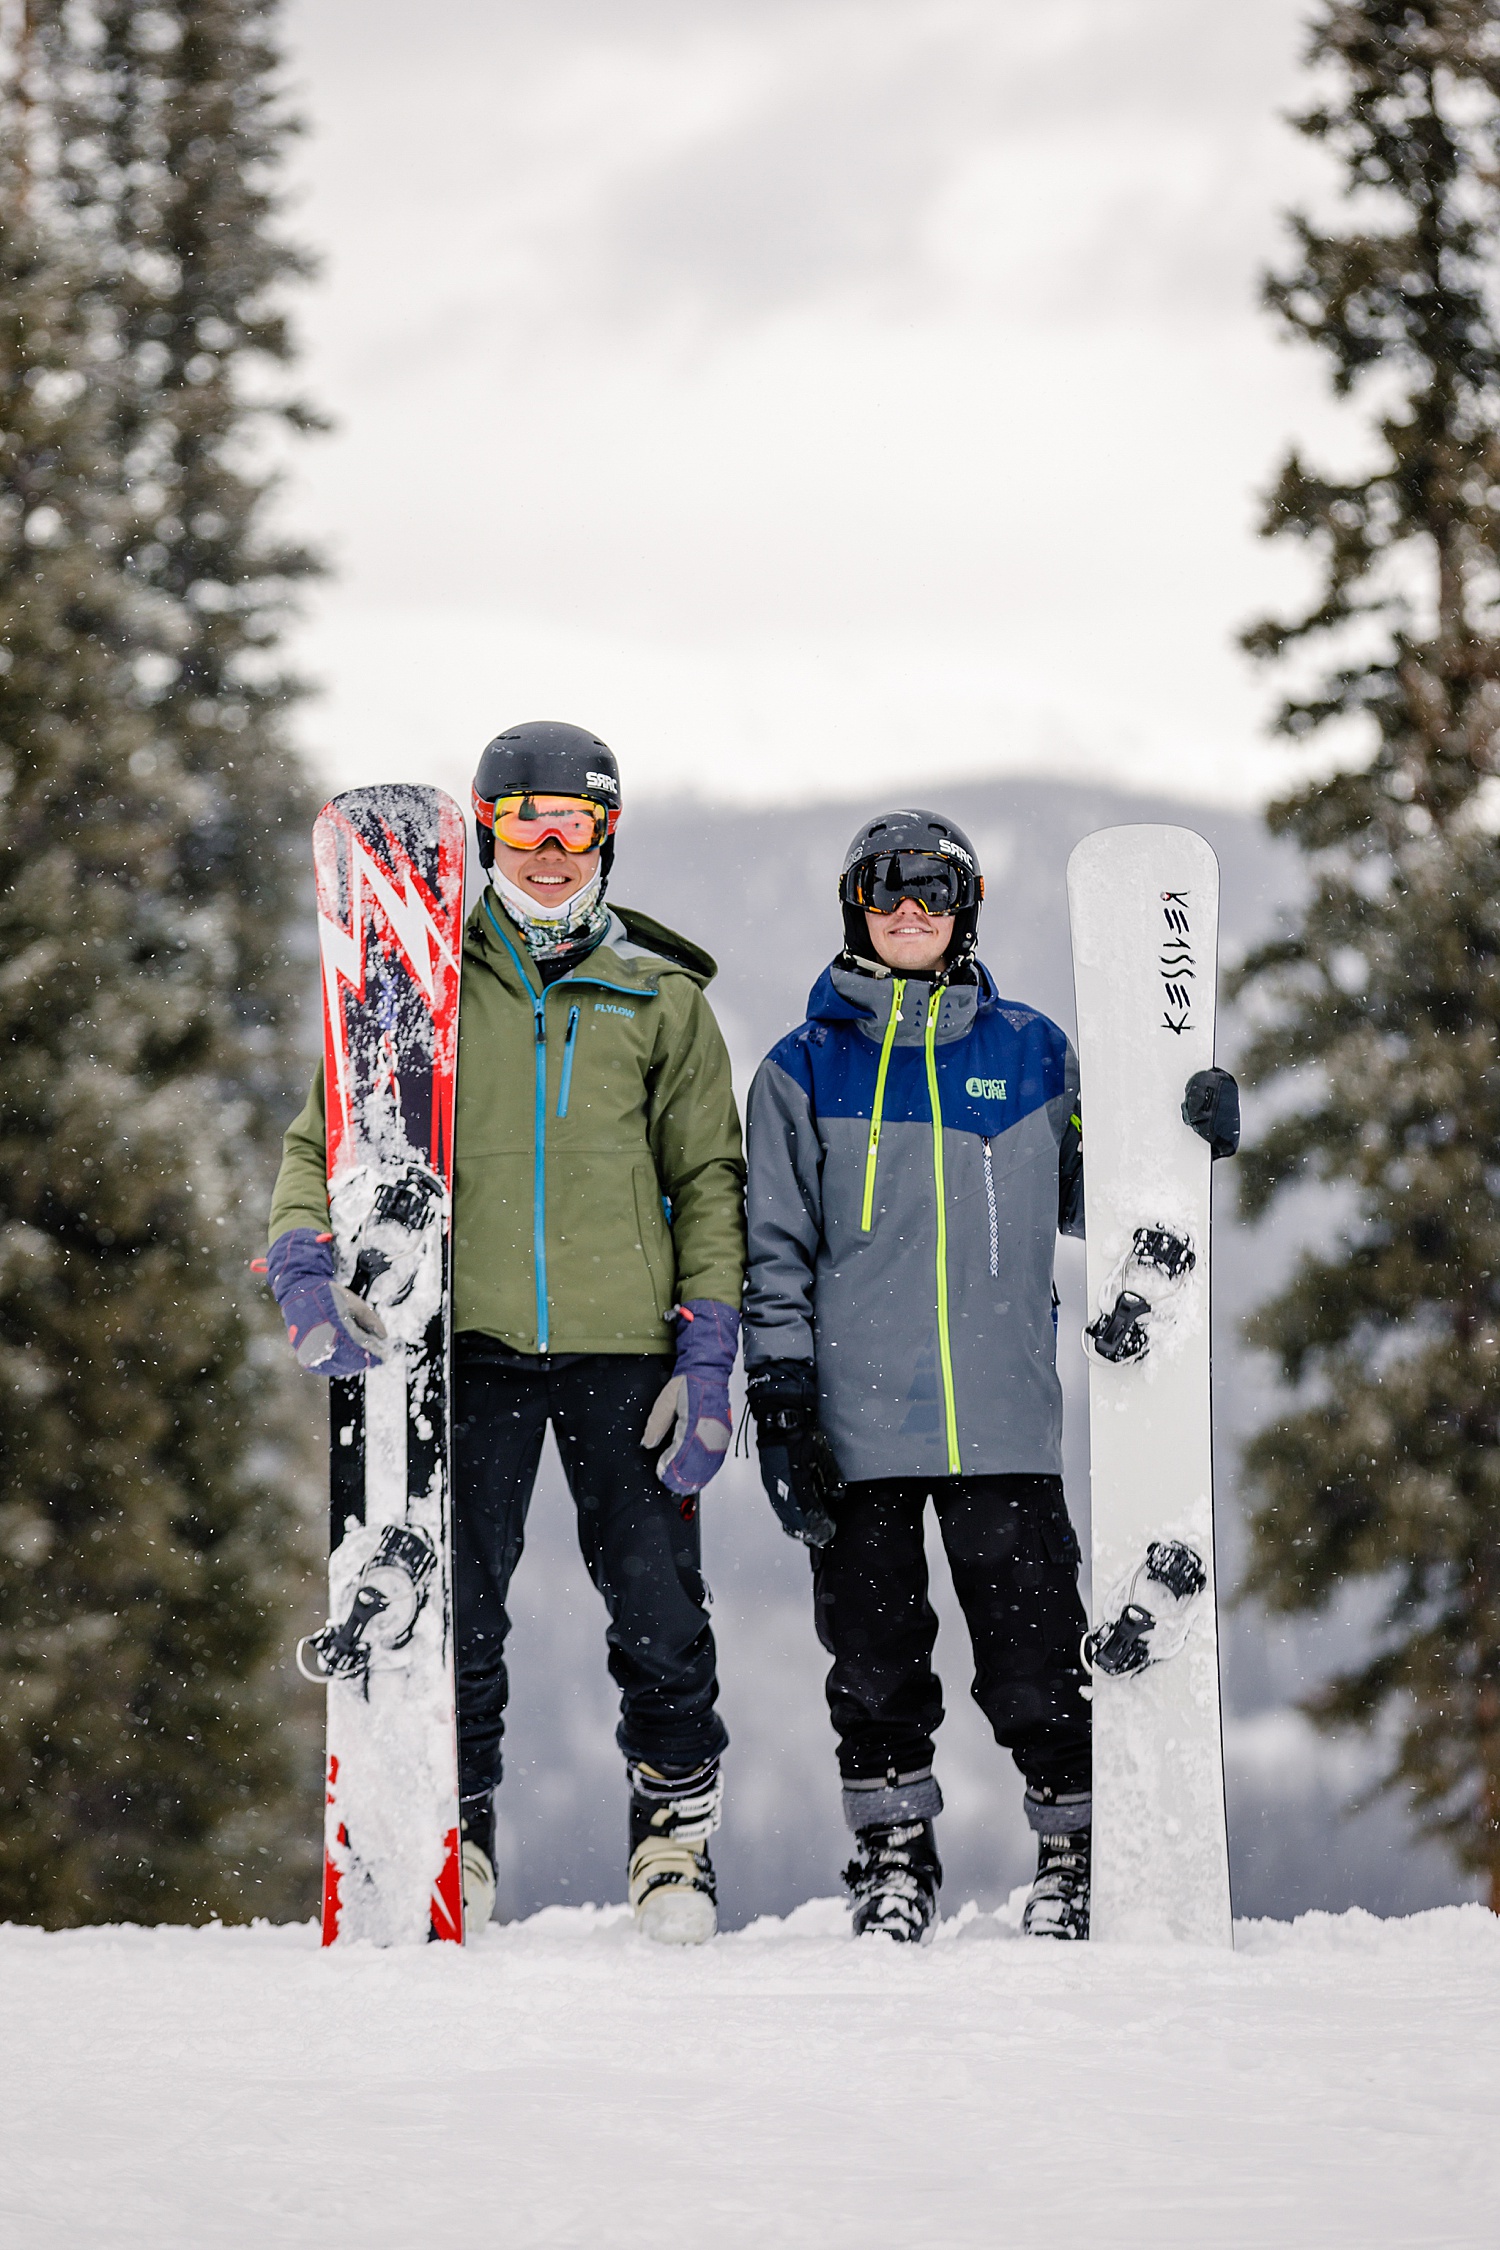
(898,990)
(945,1356)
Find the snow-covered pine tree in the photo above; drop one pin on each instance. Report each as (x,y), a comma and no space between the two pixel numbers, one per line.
(1378,1017)
(153,835)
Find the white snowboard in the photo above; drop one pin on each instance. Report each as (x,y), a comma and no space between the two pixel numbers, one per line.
(1144,903)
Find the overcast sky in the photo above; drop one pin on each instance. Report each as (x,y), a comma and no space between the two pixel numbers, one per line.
(806,395)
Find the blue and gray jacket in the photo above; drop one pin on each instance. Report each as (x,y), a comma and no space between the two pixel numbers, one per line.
(912,1155)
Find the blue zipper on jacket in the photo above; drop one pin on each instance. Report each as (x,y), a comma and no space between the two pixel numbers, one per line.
(539,1169)
(567,1068)
(539,1166)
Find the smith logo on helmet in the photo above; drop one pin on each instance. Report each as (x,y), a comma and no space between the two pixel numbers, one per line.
(985,1089)
(604,781)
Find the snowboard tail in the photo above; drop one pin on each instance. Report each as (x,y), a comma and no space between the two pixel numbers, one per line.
(389,864)
(1144,908)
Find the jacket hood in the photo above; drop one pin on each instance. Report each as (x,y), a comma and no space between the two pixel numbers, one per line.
(650,937)
(639,946)
(845,996)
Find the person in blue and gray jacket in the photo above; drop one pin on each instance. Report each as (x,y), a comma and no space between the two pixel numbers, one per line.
(914,1149)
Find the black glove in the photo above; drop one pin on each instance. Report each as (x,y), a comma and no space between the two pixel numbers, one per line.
(797,1464)
(1211,1106)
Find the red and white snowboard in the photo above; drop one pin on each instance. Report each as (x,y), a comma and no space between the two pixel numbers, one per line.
(390,871)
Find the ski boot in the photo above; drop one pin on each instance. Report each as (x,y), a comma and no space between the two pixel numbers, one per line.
(672,1885)
(1059,1903)
(893,1881)
(476,1828)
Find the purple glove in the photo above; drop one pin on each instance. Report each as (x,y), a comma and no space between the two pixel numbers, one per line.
(696,1400)
(333,1332)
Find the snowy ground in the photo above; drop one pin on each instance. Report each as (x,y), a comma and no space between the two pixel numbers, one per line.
(1335,2081)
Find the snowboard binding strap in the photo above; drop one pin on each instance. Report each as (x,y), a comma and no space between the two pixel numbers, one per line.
(1120,1334)
(383,1615)
(1133,1637)
(1156,1255)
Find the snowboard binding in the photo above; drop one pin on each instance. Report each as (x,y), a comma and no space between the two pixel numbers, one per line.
(382,1618)
(1158,1259)
(393,1239)
(1120,1334)
(1132,1636)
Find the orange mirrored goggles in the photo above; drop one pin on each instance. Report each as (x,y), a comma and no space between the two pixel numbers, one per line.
(527,820)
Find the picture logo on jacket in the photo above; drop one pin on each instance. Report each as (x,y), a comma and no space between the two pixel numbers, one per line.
(985,1089)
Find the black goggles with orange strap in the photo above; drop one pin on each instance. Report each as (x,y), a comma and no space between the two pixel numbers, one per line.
(531,816)
(938,885)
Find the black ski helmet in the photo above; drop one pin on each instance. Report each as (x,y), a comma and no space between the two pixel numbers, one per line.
(545,754)
(915,831)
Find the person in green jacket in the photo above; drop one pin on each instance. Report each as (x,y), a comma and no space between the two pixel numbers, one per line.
(598,1257)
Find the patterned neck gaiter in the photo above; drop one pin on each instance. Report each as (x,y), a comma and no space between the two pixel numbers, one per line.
(574,927)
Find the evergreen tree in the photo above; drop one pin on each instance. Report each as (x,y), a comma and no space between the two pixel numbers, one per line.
(150,867)
(1377,1015)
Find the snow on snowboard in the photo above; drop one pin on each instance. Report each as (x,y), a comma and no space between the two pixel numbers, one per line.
(390,865)
(1144,904)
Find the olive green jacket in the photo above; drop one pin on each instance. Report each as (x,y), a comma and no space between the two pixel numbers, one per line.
(598,1175)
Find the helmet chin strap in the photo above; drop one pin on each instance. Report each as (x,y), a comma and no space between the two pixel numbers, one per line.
(937,974)
(955,963)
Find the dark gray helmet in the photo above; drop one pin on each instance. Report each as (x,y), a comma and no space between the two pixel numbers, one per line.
(545,754)
(891,835)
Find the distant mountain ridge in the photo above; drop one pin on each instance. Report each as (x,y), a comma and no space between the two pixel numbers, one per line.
(759,887)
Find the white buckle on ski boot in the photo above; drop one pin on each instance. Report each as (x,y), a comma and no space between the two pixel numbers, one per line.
(476,1860)
(671,1880)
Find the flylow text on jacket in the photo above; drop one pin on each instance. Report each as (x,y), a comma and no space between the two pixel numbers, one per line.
(598,1176)
(912,1154)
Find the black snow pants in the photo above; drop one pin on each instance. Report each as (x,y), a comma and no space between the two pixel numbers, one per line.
(1014,1557)
(640,1550)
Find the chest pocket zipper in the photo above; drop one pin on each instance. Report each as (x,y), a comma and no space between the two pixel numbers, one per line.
(989,1197)
(567,1068)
